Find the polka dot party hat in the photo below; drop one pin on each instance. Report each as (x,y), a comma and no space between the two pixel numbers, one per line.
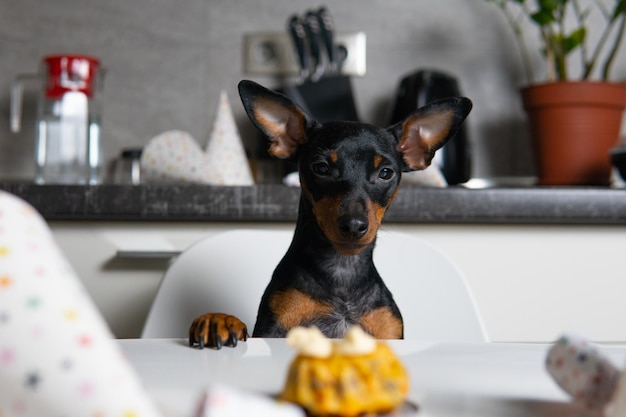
(225,151)
(581,370)
(175,156)
(57,355)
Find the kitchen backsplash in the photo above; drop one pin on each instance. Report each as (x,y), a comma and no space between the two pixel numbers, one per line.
(168,60)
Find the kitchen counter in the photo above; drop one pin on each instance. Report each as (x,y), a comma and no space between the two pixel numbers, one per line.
(277,203)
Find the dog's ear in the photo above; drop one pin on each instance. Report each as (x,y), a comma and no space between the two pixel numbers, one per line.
(428,129)
(282,121)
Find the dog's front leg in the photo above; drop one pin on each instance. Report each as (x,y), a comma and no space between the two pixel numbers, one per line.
(217,330)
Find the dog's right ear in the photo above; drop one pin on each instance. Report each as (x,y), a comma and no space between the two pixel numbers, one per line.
(282,121)
(428,129)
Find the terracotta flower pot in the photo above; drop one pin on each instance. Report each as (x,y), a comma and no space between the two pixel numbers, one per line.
(573,127)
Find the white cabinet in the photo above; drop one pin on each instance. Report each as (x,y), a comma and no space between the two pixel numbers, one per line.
(531,282)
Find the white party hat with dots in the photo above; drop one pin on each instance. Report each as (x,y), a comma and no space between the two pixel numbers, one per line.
(225,152)
(57,354)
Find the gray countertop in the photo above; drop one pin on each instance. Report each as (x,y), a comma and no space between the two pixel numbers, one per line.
(277,203)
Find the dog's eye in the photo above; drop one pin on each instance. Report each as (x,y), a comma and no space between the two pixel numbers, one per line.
(386,174)
(321,168)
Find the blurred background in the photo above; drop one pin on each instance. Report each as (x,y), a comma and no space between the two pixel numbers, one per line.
(167,62)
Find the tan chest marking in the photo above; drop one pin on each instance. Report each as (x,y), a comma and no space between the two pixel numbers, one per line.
(382,324)
(293,307)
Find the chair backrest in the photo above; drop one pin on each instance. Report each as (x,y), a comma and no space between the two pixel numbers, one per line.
(229,272)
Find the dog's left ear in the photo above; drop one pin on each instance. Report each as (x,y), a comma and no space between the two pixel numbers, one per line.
(282,121)
(428,129)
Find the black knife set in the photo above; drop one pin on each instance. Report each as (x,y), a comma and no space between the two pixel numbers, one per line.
(324,92)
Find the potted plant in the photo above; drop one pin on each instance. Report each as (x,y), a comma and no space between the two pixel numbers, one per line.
(574,121)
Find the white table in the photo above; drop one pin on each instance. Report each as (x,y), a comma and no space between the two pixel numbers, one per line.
(447,379)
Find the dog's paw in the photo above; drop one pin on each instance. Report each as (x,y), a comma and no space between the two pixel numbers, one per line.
(216,330)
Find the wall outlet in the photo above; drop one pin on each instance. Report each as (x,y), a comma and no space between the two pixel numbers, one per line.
(272,53)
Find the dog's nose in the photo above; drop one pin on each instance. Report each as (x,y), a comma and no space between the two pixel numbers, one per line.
(353,227)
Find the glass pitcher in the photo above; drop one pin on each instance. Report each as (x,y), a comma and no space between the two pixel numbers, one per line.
(67,143)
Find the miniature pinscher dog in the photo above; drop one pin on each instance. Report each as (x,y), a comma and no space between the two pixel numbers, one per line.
(349,175)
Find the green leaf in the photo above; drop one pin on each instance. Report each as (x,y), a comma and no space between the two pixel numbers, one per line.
(543,18)
(575,39)
(549,5)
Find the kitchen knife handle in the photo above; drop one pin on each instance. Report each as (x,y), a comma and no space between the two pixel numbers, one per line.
(298,35)
(327,31)
(313,30)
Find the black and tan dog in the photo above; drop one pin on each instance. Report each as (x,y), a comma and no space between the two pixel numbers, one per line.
(349,173)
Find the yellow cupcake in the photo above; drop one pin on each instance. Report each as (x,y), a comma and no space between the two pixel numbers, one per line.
(353,376)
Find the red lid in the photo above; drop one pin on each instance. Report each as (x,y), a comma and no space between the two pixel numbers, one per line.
(70,73)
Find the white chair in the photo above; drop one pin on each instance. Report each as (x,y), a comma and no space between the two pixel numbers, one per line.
(229,272)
